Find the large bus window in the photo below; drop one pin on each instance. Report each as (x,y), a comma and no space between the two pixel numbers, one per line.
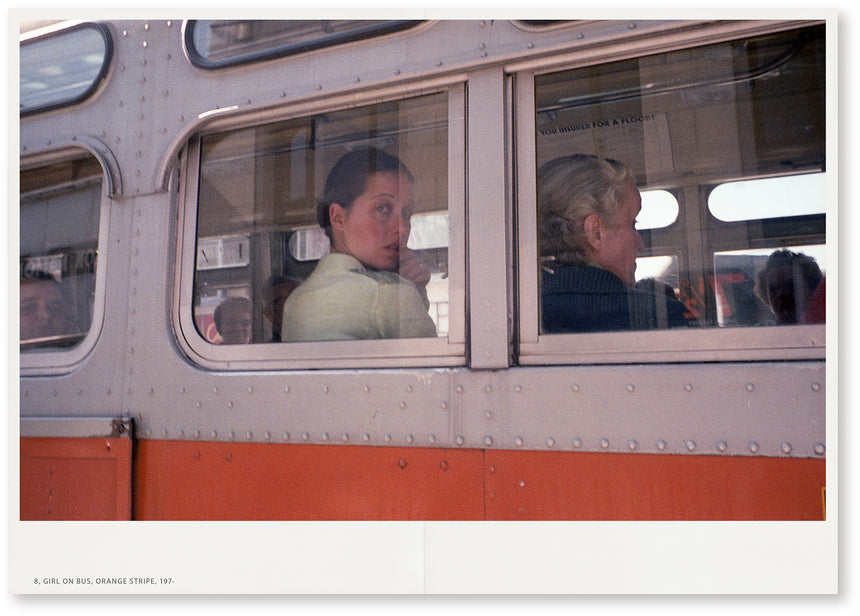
(733,135)
(327,227)
(59,231)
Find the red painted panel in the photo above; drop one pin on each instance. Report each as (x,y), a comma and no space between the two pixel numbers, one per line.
(75,478)
(181,480)
(546,485)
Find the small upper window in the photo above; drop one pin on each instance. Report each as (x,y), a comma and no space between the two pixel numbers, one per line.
(63,67)
(758,199)
(215,43)
(659,210)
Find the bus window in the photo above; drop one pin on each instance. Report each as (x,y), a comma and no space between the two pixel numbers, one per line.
(63,68)
(736,131)
(371,262)
(59,231)
(215,43)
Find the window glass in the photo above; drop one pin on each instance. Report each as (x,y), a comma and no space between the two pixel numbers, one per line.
(62,68)
(793,195)
(59,225)
(223,42)
(267,271)
(746,117)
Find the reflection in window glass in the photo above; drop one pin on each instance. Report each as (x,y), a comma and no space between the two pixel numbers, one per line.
(223,42)
(378,271)
(681,121)
(59,209)
(62,68)
(794,195)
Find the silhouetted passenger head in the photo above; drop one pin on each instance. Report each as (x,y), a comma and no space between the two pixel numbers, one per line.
(233,320)
(787,282)
(45,308)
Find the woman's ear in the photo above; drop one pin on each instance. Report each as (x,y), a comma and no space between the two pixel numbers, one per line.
(337,216)
(593,227)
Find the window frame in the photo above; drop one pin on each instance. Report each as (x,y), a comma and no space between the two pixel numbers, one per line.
(788,342)
(388,353)
(35,38)
(63,360)
(367,33)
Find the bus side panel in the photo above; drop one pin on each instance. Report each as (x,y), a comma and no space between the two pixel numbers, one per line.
(75,478)
(543,485)
(185,480)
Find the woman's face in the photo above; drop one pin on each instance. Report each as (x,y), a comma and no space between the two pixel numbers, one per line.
(376,228)
(621,241)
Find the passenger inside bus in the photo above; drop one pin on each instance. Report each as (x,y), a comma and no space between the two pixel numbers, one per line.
(370,285)
(588,245)
(46,310)
(787,284)
(233,320)
(275,292)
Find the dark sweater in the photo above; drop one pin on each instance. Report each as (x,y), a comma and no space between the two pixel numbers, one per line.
(585,298)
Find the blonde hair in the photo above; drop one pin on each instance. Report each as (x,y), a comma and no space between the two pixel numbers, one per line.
(569,189)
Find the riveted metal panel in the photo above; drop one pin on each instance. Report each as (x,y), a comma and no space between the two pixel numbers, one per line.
(591,486)
(239,481)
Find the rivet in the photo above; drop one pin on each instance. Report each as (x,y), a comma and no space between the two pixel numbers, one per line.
(491,469)
(249,435)
(518,388)
(722,446)
(661,445)
(387,438)
(199,404)
(574,387)
(197,454)
(488,441)
(438,62)
(397,71)
(325,389)
(230,404)
(305,436)
(365,437)
(816,386)
(286,436)
(228,457)
(443,465)
(488,389)
(145,44)
(753,446)
(459,389)
(148,432)
(287,389)
(250,390)
(410,439)
(482,45)
(431,439)
(460,440)
(522,483)
(231,435)
(181,433)
(580,36)
(488,414)
(786,448)
(325,437)
(357,79)
(146,26)
(215,390)
(577,442)
(444,405)
(164,433)
(492,495)
(691,445)
(125,32)
(819,449)
(550,442)
(213,434)
(345,438)
(531,45)
(267,435)
(367,389)
(630,388)
(197,434)
(409,389)
(632,444)
(750,387)
(604,443)
(518,441)
(402,404)
(402,463)
(631,26)
(688,387)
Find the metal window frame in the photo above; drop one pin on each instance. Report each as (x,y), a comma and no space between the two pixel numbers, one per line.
(369,32)
(104,31)
(796,342)
(391,353)
(62,361)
